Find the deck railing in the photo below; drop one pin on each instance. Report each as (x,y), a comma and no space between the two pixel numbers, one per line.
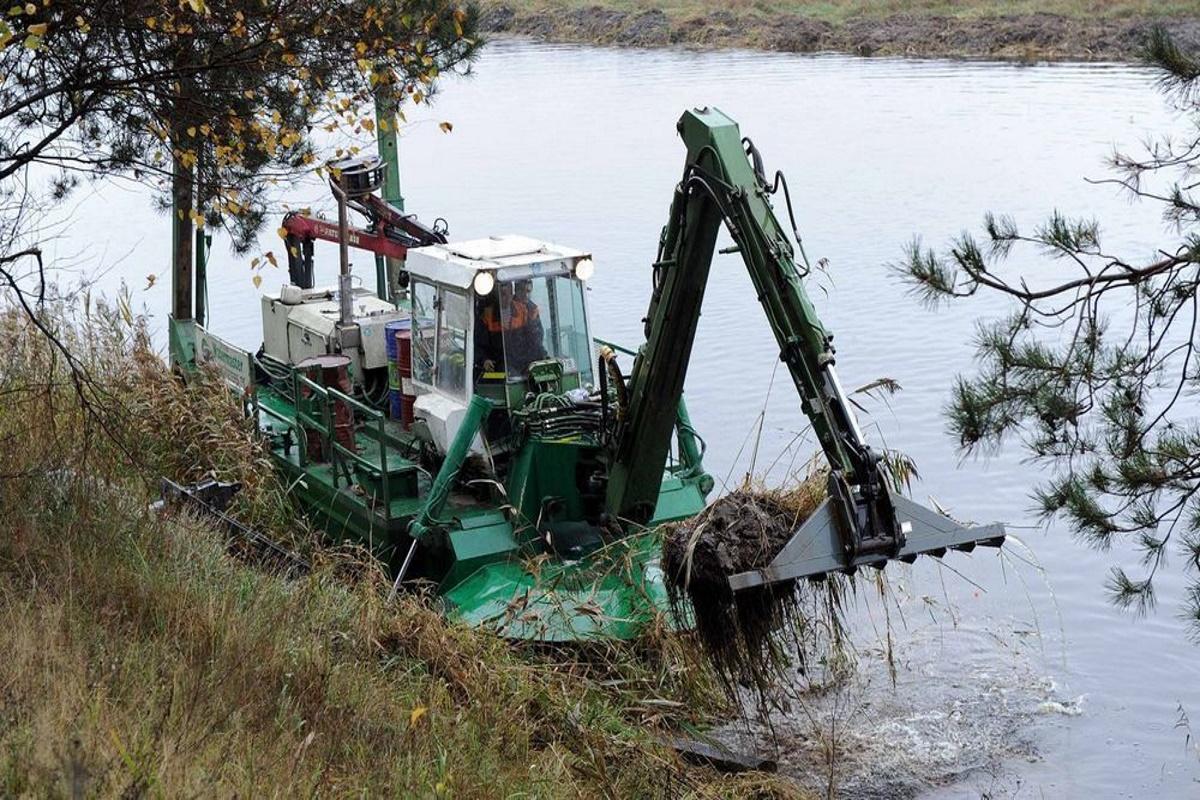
(314,411)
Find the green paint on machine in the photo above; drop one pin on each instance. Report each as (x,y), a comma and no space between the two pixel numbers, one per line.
(613,594)
(522,471)
(491,573)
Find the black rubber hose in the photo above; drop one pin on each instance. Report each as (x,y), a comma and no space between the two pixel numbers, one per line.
(602,372)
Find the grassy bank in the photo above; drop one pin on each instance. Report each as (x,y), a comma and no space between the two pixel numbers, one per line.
(141,658)
(1055,29)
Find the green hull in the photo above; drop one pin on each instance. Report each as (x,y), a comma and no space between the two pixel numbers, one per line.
(489,574)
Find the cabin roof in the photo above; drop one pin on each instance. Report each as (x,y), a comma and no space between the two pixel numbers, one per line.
(510,256)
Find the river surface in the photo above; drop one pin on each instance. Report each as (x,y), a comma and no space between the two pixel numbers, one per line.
(1010,680)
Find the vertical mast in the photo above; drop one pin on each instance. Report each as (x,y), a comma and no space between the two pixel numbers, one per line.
(387,143)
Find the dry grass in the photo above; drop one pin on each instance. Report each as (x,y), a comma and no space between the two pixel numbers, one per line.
(140,658)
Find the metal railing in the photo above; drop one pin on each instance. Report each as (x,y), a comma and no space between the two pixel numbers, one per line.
(314,410)
(286,421)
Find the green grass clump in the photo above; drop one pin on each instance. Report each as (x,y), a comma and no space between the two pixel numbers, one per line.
(141,658)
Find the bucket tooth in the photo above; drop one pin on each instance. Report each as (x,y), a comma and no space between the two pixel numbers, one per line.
(818,546)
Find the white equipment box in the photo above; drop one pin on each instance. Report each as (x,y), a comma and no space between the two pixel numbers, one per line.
(300,323)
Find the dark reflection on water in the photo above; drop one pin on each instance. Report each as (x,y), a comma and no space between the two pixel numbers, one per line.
(577,145)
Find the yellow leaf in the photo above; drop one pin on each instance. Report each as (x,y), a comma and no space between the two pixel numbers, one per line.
(446,127)
(30,8)
(271,257)
(197,5)
(37,30)
(151,23)
(283,232)
(415,715)
(368,125)
(150,279)
(33,42)
(192,130)
(257,279)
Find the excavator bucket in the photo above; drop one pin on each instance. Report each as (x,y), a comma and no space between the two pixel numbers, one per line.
(819,546)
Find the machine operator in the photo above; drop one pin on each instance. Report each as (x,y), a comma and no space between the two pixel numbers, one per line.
(509,324)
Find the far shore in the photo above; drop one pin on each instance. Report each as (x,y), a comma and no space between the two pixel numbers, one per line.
(982,29)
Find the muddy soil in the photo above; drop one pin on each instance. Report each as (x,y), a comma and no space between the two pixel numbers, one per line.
(753,637)
(1020,37)
(739,532)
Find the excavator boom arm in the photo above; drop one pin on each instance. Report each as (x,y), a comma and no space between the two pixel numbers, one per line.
(723,183)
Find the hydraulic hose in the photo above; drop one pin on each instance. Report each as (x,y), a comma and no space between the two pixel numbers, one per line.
(612,374)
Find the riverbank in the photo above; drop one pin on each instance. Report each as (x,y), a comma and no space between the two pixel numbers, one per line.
(1107,30)
(145,655)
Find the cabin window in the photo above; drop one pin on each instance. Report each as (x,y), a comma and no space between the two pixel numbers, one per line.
(454,322)
(539,318)
(424,331)
(571,342)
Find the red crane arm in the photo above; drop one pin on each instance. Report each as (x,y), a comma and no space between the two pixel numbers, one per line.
(304,227)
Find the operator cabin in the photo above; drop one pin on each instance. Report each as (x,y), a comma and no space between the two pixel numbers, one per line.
(501,317)
(489,309)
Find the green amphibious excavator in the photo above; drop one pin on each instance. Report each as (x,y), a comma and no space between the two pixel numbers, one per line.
(463,422)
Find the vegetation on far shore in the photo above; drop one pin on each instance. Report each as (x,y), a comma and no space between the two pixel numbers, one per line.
(1022,29)
(843,10)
